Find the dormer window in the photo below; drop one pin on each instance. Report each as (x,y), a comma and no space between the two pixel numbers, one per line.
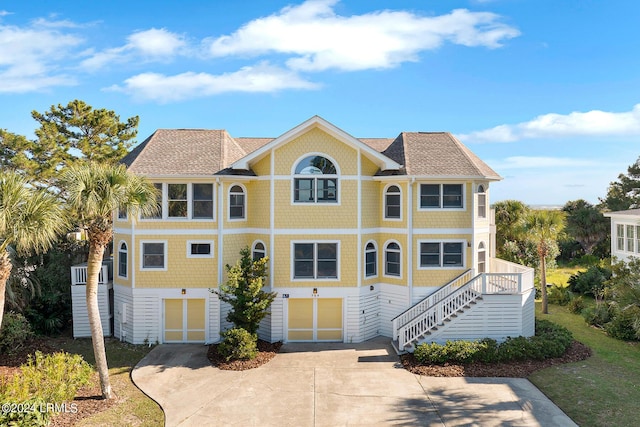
(315,181)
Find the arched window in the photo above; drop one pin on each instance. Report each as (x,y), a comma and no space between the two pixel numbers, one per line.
(258,251)
(122,260)
(371,260)
(482,202)
(482,258)
(392,266)
(315,181)
(392,203)
(236,202)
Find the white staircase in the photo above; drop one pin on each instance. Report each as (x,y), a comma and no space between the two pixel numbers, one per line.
(460,295)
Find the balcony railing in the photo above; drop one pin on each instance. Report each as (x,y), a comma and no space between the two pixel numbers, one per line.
(79,274)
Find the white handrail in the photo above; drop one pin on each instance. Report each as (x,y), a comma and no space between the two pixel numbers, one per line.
(429,301)
(79,275)
(443,310)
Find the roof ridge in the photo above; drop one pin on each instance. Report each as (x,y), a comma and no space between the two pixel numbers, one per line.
(405,151)
(475,161)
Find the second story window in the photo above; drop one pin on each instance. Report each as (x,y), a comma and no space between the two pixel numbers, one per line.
(441,196)
(482,202)
(392,265)
(315,181)
(392,203)
(159,197)
(259,251)
(202,204)
(236,202)
(177,200)
(370,260)
(123,260)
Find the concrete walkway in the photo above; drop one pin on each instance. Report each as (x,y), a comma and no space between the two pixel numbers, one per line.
(332,385)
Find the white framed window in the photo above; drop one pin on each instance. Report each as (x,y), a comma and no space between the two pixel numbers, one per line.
(315,260)
(199,249)
(441,254)
(392,259)
(482,201)
(237,202)
(202,201)
(160,202)
(123,260)
(177,201)
(122,214)
(482,258)
(441,196)
(638,238)
(258,250)
(154,255)
(392,202)
(630,238)
(620,237)
(370,260)
(315,180)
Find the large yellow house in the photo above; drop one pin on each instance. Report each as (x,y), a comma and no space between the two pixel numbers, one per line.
(365,237)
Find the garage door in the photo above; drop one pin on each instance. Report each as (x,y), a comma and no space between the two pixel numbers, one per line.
(315,319)
(184,320)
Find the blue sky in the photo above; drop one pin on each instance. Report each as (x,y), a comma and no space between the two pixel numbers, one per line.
(546,92)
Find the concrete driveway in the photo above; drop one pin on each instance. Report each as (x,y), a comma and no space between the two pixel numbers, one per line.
(332,385)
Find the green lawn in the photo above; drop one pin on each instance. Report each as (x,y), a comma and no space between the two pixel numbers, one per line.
(134,408)
(603,390)
(560,276)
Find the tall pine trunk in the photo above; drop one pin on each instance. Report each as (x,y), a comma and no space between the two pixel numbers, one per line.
(5,272)
(94,265)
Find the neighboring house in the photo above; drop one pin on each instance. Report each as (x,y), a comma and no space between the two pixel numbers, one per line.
(362,236)
(625,234)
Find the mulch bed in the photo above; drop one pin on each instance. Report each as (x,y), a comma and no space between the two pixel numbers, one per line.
(576,352)
(266,352)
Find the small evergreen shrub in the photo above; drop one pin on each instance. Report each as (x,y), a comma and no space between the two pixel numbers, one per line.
(15,331)
(54,378)
(590,282)
(622,324)
(238,343)
(599,315)
(550,341)
(576,305)
(559,295)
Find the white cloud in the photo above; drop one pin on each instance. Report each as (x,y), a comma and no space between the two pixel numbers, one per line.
(150,45)
(30,57)
(552,125)
(260,78)
(537,162)
(320,39)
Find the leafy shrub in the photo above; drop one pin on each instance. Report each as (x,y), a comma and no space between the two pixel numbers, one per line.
(238,343)
(53,378)
(599,315)
(623,324)
(576,305)
(34,417)
(551,340)
(559,295)
(15,331)
(590,282)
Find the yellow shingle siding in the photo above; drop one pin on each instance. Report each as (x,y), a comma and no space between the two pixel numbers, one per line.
(181,271)
(347,261)
(315,141)
(371,204)
(258,204)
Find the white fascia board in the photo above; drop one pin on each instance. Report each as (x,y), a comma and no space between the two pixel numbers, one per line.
(316,121)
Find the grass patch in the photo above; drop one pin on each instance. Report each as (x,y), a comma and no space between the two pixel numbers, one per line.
(560,276)
(603,390)
(133,408)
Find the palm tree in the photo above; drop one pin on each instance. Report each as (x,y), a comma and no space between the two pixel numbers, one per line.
(30,220)
(542,228)
(94,191)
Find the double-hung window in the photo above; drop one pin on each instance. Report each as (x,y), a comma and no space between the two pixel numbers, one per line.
(202,202)
(441,196)
(620,237)
(258,251)
(392,265)
(123,260)
(177,200)
(315,260)
(370,260)
(315,181)
(236,202)
(153,255)
(159,198)
(482,202)
(441,254)
(392,203)
(630,238)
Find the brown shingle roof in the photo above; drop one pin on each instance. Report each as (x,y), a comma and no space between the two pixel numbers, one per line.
(208,152)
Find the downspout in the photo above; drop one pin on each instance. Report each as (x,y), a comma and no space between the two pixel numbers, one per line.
(410,239)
